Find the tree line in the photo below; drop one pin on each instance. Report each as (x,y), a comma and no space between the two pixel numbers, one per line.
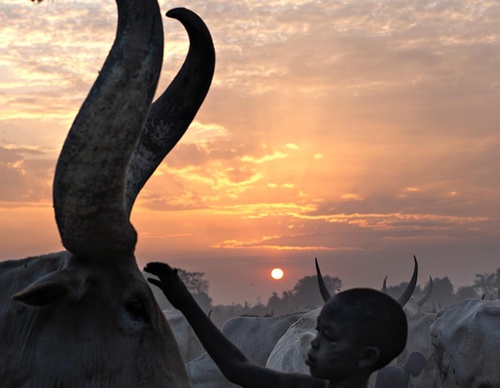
(305,294)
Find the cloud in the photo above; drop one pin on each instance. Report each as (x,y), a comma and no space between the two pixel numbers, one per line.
(24,180)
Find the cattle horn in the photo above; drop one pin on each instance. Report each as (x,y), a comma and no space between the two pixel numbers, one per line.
(174,110)
(384,286)
(325,294)
(403,299)
(90,177)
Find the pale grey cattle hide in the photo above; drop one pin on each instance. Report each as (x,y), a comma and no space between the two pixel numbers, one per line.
(254,336)
(466,341)
(189,344)
(290,352)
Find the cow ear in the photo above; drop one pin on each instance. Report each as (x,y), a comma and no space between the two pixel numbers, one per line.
(50,289)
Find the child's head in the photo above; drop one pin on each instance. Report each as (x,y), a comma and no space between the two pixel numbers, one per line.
(359,331)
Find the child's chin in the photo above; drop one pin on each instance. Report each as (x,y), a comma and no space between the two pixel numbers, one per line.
(313,370)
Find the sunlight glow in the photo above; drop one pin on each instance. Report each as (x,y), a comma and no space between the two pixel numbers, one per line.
(277,273)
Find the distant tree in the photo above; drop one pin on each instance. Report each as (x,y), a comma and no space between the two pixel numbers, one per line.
(497,283)
(195,284)
(275,303)
(306,293)
(279,306)
(485,284)
(466,292)
(221,313)
(287,296)
(398,290)
(442,293)
(194,281)
(287,305)
(497,277)
(259,309)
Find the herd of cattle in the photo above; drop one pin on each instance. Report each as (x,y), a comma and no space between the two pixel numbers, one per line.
(85,317)
(461,343)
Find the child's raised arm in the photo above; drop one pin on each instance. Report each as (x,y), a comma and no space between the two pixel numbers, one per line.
(230,360)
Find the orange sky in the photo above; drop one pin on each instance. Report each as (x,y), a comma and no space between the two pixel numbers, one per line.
(359,132)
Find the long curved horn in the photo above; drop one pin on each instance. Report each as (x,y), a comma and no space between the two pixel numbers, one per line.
(325,294)
(427,295)
(89,183)
(384,286)
(403,299)
(172,113)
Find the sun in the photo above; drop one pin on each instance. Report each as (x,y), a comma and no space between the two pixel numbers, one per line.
(277,273)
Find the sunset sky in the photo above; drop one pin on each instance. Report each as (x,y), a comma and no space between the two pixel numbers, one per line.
(359,132)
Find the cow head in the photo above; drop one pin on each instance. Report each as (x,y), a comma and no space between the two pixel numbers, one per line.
(86,317)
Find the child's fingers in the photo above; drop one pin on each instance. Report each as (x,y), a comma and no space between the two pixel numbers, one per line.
(158,269)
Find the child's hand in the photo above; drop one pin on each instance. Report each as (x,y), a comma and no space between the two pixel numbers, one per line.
(170,283)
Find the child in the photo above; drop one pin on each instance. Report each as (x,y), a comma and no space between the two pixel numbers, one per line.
(359,331)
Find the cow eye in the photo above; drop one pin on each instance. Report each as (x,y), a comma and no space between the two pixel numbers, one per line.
(137,309)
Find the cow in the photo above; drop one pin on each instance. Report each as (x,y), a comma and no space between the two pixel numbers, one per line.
(254,336)
(418,324)
(189,344)
(85,316)
(466,341)
(290,352)
(419,338)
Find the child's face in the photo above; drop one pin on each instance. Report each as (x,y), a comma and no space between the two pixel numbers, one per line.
(334,355)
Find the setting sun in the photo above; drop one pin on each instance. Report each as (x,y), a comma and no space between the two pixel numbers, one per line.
(277,273)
